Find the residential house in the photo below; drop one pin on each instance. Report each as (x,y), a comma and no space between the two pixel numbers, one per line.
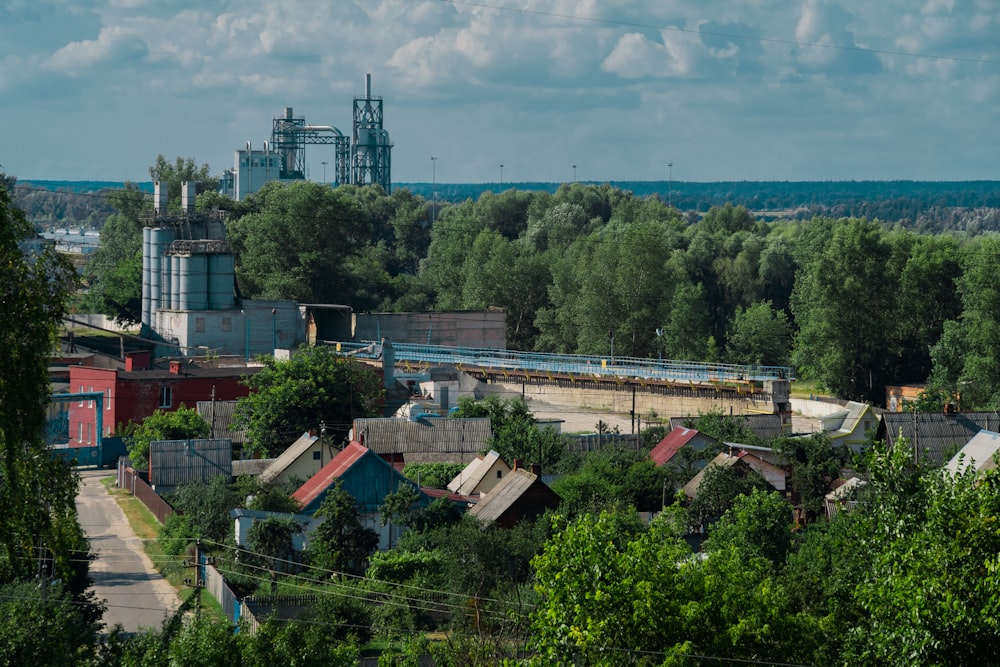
(518,496)
(301,460)
(424,439)
(767,427)
(772,474)
(843,497)
(244,520)
(934,437)
(691,442)
(132,394)
(480,476)
(980,454)
(851,427)
(219,415)
(365,475)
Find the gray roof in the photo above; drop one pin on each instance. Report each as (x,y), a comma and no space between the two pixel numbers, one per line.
(979,453)
(243,467)
(430,434)
(934,436)
(219,415)
(288,457)
(466,481)
(175,462)
(503,496)
(765,426)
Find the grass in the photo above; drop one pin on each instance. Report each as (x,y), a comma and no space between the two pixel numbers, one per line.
(807,388)
(147,528)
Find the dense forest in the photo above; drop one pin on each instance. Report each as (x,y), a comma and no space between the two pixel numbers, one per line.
(853,303)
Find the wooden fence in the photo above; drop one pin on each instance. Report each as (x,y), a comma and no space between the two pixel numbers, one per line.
(129,478)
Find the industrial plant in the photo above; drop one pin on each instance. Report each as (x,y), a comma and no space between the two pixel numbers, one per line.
(363,158)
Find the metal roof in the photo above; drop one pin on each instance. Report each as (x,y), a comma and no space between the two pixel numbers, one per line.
(176,462)
(424,435)
(765,426)
(288,457)
(332,471)
(672,443)
(219,415)
(503,496)
(465,482)
(243,467)
(934,437)
(978,454)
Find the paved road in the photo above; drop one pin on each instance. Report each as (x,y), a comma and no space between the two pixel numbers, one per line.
(136,594)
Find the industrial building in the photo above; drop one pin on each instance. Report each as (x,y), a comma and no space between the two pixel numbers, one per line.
(363,158)
(189,300)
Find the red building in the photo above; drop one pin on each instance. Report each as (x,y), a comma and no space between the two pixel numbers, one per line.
(133,395)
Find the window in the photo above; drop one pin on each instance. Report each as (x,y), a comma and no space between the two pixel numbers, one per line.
(316,455)
(199,324)
(89,426)
(166,397)
(227,324)
(81,391)
(79,433)
(499,474)
(107,399)
(90,403)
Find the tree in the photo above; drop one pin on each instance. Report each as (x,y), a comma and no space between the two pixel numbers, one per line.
(342,543)
(45,627)
(757,525)
(720,487)
(515,433)
(206,506)
(316,385)
(759,335)
(295,246)
(181,424)
(37,493)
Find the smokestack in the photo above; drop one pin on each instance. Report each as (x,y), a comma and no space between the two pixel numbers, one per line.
(188,194)
(288,113)
(159,197)
(368,86)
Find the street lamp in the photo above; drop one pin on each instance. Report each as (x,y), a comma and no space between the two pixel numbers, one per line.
(267,163)
(501,173)
(246,336)
(434,193)
(249,168)
(574,173)
(324,171)
(670,183)
(274,330)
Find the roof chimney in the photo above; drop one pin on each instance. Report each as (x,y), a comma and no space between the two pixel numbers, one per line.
(175,367)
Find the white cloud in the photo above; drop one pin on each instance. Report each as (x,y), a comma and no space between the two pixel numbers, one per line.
(112,44)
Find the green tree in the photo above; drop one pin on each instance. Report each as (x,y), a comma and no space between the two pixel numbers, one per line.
(758,524)
(814,464)
(181,424)
(759,335)
(720,487)
(342,543)
(515,433)
(296,244)
(45,627)
(316,385)
(205,507)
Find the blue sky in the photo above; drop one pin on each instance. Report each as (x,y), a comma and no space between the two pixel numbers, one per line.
(736,90)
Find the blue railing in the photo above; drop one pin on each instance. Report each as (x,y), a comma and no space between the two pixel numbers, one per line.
(572,364)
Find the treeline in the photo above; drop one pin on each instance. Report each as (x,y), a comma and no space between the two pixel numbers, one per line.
(593,269)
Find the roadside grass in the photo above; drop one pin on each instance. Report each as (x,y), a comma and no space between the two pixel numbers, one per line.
(807,389)
(147,528)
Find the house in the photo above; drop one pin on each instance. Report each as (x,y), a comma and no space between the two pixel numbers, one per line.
(301,460)
(765,426)
(131,394)
(851,427)
(219,415)
(244,520)
(980,454)
(518,496)
(176,462)
(424,439)
(772,474)
(843,497)
(693,443)
(368,478)
(480,476)
(934,437)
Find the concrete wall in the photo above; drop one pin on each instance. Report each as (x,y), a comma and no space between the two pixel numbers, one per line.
(815,409)
(201,332)
(459,329)
(664,405)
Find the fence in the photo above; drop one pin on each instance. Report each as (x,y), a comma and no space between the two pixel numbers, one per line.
(130,479)
(215,583)
(590,442)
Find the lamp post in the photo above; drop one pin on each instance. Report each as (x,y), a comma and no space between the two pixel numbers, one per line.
(249,168)
(274,330)
(246,336)
(670,183)
(267,163)
(434,193)
(501,173)
(324,171)
(574,173)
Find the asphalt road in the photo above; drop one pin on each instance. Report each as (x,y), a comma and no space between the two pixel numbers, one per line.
(137,596)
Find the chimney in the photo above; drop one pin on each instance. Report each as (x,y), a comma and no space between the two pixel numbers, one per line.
(536,469)
(518,464)
(160,197)
(188,193)
(137,361)
(175,367)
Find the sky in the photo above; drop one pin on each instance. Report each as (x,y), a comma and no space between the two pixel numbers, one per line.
(793,90)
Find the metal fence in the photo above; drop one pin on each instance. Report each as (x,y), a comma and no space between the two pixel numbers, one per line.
(130,479)
(570,364)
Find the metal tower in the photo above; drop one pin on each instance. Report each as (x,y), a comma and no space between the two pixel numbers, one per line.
(370,149)
(289,136)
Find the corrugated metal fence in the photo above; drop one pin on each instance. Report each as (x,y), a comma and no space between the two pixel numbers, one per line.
(130,479)
(216,585)
(590,442)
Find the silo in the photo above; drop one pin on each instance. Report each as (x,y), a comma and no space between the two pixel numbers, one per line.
(146,291)
(182,278)
(155,247)
(197,281)
(166,282)
(177,297)
(220,281)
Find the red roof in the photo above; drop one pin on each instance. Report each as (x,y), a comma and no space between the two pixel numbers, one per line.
(332,471)
(671,444)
